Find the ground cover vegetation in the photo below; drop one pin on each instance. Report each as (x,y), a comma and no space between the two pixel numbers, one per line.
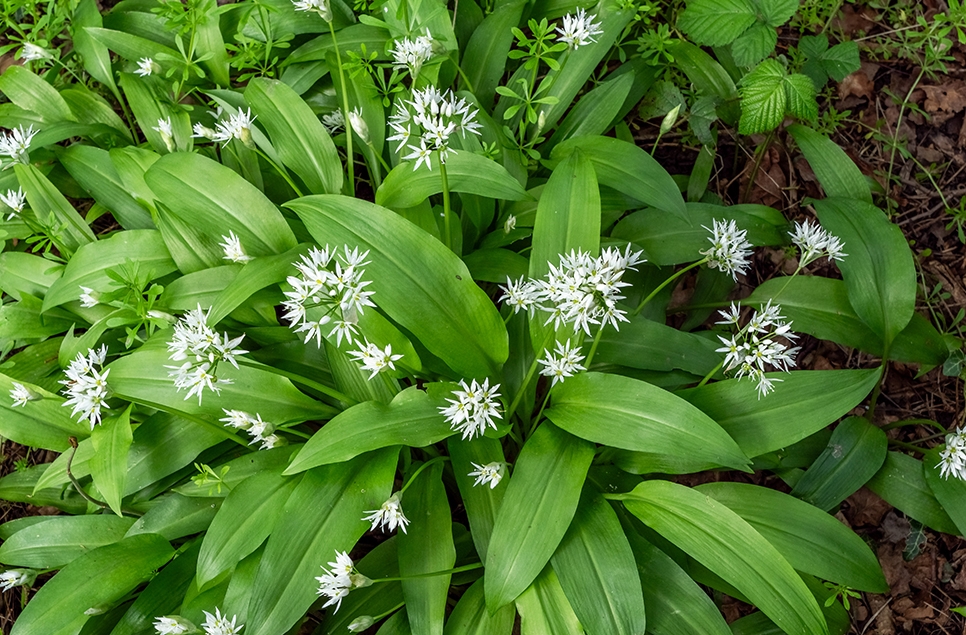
(491,317)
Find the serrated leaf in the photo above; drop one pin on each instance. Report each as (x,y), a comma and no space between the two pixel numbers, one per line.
(812,46)
(800,91)
(777,12)
(754,45)
(841,60)
(763,98)
(717,22)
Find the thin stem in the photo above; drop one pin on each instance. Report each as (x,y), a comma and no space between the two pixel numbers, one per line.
(465,567)
(914,422)
(535,420)
(526,381)
(661,286)
(906,446)
(466,80)
(895,135)
(419,469)
(281,171)
(446,211)
(713,372)
(870,415)
(299,379)
(80,490)
(593,346)
(350,164)
(298,433)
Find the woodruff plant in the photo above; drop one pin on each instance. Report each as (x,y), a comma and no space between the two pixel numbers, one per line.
(456,399)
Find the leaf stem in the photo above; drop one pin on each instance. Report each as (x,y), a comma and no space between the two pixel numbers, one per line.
(299,379)
(282,172)
(661,286)
(419,469)
(350,166)
(465,567)
(446,204)
(713,372)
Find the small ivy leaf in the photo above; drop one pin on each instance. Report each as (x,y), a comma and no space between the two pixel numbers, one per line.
(841,60)
(801,97)
(754,45)
(702,116)
(777,12)
(955,364)
(718,22)
(763,98)
(915,540)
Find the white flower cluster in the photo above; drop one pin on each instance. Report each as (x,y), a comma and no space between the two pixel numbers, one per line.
(490,474)
(330,289)
(238,126)
(233,248)
(86,385)
(579,29)
(565,364)
(261,431)
(12,578)
(375,359)
(201,349)
(167,133)
(814,243)
(336,583)
(952,458)
(412,54)
(147,66)
(333,121)
(580,291)
(216,624)
(473,409)
(32,52)
(14,145)
(389,514)
(15,200)
(431,117)
(88,298)
(20,395)
(322,7)
(729,248)
(755,346)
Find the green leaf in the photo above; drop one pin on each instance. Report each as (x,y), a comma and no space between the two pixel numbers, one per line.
(148,111)
(143,248)
(763,98)
(92,168)
(802,403)
(633,415)
(22,273)
(708,76)
(629,170)
(901,483)
(426,547)
(650,345)
(879,270)
(811,540)
(470,617)
(841,60)
(33,94)
(541,498)
(46,200)
(297,134)
(481,503)
(838,174)
(411,419)
(496,265)
(111,440)
(717,22)
(726,544)
(594,114)
(337,496)
(544,608)
(55,542)
(247,517)
(96,57)
(162,596)
(488,48)
(950,492)
(568,214)
(257,274)
(754,45)
(800,91)
(595,566)
(42,423)
(216,200)
(777,12)
(855,452)
(418,283)
(209,43)
(466,172)
(131,47)
(176,516)
(116,568)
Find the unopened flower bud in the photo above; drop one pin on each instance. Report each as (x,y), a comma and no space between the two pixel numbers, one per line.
(359,125)
(361,623)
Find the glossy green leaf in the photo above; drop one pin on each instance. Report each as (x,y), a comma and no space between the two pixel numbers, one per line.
(633,415)
(541,498)
(481,503)
(93,169)
(470,617)
(411,419)
(20,487)
(378,599)
(89,266)
(595,566)
(46,201)
(595,112)
(902,483)
(23,273)
(117,568)
(54,542)
(216,200)
(31,93)
(650,345)
(855,452)
(488,48)
(131,47)
(879,271)
(148,111)
(950,492)
(837,173)
(162,596)
(111,440)
(708,76)
(629,170)
(250,511)
(240,469)
(717,22)
(257,274)
(42,423)
(96,57)
(544,608)
(338,495)
(803,402)
(811,540)
(425,547)
(297,134)
(209,43)
(722,541)
(176,516)
(496,265)
(466,172)
(418,283)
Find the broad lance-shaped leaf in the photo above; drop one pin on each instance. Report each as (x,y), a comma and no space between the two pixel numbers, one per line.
(629,170)
(470,617)
(902,483)
(466,172)
(162,596)
(539,504)
(111,440)
(417,281)
(411,419)
(48,204)
(803,402)
(625,413)
(838,174)
(811,540)
(299,137)
(115,569)
(42,423)
(92,168)
(322,515)
(949,491)
(481,503)
(57,541)
(879,271)
(30,92)
(721,540)
(544,608)
(216,200)
(595,566)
